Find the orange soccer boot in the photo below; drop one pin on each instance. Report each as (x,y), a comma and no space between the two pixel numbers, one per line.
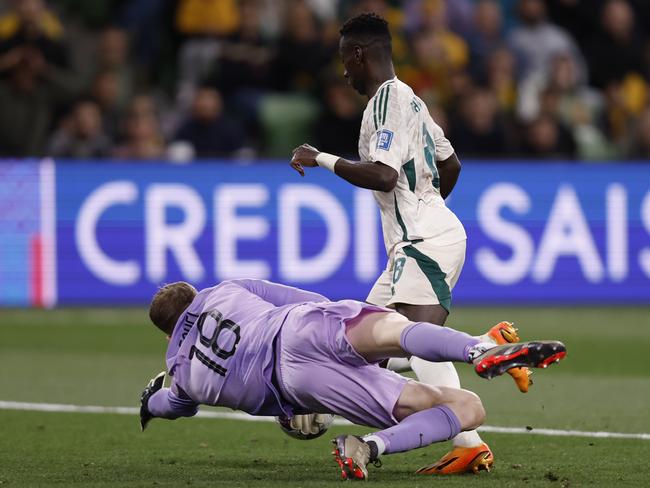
(462,460)
(505,333)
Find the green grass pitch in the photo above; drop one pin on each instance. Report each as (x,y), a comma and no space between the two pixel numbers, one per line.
(105,357)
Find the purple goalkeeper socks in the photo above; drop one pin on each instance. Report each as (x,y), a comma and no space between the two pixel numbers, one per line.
(420,429)
(435,343)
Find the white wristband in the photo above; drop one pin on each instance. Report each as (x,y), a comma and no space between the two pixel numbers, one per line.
(326,160)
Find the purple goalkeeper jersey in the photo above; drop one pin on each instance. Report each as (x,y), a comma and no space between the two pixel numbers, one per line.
(222,349)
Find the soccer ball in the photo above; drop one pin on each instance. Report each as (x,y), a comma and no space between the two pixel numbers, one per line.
(305,427)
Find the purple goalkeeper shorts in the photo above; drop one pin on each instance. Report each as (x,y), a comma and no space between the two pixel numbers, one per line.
(319,371)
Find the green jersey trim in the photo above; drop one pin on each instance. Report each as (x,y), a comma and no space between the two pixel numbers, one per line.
(399,220)
(374,112)
(409,170)
(385,109)
(434,274)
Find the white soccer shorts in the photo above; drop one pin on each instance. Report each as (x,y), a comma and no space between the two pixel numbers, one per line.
(420,273)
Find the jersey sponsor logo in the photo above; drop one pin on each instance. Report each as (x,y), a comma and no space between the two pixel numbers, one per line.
(384,139)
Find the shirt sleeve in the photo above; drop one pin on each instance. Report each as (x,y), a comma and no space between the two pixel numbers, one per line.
(442,144)
(389,141)
(167,404)
(277,294)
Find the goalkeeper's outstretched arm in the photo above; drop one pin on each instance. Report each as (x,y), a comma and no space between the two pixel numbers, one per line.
(166,403)
(278,294)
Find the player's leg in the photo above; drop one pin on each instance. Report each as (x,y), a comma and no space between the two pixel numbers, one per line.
(439,267)
(425,415)
(422,292)
(375,335)
(442,412)
(323,366)
(469,452)
(321,371)
(378,335)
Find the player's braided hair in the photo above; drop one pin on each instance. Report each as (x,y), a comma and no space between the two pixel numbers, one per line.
(169,303)
(368,27)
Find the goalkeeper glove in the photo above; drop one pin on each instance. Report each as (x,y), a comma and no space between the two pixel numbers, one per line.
(152,387)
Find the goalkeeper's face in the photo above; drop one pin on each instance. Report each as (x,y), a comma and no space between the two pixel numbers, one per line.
(352,57)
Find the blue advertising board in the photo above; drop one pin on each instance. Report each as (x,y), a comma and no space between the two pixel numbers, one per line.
(20,233)
(537,233)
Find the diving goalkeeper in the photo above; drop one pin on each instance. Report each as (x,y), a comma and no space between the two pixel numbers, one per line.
(270,349)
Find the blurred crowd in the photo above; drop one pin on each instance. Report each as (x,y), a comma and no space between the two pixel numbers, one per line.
(247,79)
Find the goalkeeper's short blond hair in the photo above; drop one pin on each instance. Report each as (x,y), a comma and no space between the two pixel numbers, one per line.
(169,302)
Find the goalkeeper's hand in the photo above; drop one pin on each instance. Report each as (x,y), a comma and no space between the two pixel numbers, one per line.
(310,424)
(152,387)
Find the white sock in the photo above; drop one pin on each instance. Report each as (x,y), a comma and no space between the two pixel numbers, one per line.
(381,447)
(399,365)
(435,374)
(486,338)
(444,374)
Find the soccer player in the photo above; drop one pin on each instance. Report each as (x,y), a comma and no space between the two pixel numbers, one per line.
(269,349)
(412,168)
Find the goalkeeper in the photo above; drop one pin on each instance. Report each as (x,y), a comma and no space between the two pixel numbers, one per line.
(270,349)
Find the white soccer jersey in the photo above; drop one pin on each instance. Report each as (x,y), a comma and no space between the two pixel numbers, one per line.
(398,131)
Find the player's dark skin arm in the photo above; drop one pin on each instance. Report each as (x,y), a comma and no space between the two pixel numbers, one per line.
(371,175)
(449,169)
(365,174)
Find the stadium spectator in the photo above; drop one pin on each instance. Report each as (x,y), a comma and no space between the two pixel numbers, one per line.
(207,17)
(545,138)
(324,10)
(578,107)
(618,118)
(574,95)
(536,41)
(616,54)
(640,146)
(30,96)
(203,25)
(564,80)
(143,137)
(460,85)
(141,18)
(95,14)
(81,136)
(501,77)
(486,35)
(250,49)
(591,143)
(300,54)
(438,55)
(337,128)
(452,49)
(207,129)
(105,92)
(245,56)
(243,70)
(113,57)
(579,18)
(458,15)
(30,24)
(479,131)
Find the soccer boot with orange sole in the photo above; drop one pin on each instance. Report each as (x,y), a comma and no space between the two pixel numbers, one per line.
(506,333)
(353,455)
(496,360)
(462,460)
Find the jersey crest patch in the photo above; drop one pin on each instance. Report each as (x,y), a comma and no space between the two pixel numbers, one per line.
(384,139)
